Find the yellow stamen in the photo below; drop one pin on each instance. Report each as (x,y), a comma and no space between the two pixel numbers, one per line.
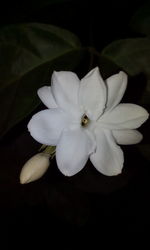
(84,121)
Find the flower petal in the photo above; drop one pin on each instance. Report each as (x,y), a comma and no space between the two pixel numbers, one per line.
(108,158)
(65,87)
(124,116)
(92,94)
(46,126)
(116,86)
(127,137)
(46,96)
(73,150)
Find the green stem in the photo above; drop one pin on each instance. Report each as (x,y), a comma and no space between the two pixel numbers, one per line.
(50,150)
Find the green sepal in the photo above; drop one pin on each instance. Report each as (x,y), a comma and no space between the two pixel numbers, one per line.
(50,150)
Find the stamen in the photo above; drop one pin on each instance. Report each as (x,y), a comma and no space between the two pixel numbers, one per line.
(84,120)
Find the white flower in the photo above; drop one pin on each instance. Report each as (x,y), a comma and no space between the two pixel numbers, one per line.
(34,168)
(85,120)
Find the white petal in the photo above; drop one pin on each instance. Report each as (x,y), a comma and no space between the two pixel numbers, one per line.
(108,158)
(73,150)
(47,125)
(65,88)
(116,86)
(124,116)
(46,96)
(92,94)
(34,168)
(128,136)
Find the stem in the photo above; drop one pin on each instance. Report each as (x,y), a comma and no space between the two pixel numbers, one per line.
(51,150)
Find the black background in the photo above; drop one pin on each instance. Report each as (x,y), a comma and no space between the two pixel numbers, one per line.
(88,207)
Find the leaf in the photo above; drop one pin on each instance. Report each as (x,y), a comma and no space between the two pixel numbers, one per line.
(28,55)
(107,67)
(140,22)
(132,56)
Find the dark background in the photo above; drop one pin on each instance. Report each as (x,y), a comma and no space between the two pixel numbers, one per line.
(88,207)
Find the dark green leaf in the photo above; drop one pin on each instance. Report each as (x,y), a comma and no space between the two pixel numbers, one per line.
(28,55)
(107,67)
(141,20)
(133,56)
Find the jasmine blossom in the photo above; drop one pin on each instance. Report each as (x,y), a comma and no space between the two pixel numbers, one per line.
(84,120)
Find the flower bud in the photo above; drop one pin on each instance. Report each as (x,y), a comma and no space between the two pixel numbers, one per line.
(34,168)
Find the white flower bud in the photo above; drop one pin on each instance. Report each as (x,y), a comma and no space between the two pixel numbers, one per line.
(34,168)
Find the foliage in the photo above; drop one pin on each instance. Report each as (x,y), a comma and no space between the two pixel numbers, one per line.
(31,49)
(29,54)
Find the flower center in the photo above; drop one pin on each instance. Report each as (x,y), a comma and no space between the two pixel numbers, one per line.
(84,120)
